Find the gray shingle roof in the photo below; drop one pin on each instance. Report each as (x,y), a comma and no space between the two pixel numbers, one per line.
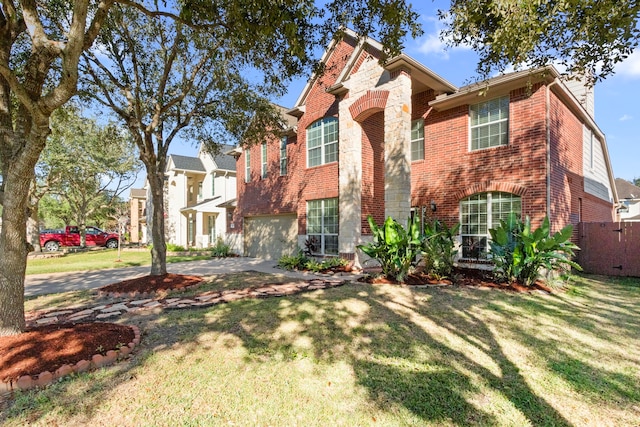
(627,190)
(187,163)
(225,161)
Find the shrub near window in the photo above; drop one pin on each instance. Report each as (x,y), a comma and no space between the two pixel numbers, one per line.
(520,254)
(395,247)
(438,248)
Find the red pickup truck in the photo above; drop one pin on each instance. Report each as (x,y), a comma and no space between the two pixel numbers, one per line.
(52,241)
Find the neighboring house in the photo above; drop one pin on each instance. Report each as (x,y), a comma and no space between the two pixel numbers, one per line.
(138,215)
(399,140)
(629,195)
(195,187)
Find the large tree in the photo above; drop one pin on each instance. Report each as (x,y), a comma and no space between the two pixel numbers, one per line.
(86,164)
(40,48)
(588,37)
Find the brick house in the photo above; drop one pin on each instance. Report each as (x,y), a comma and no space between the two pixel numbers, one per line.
(399,140)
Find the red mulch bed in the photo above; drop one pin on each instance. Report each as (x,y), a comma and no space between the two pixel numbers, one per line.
(459,277)
(46,348)
(151,284)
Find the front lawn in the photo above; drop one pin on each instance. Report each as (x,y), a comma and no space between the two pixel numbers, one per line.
(99,260)
(362,354)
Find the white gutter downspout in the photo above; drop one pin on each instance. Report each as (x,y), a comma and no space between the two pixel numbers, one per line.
(548,131)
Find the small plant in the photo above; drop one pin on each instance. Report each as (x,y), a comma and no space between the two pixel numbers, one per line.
(100,350)
(220,249)
(293,262)
(300,261)
(520,254)
(310,246)
(438,248)
(175,248)
(394,247)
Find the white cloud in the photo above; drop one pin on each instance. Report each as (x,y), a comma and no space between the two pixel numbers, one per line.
(631,66)
(434,43)
(625,117)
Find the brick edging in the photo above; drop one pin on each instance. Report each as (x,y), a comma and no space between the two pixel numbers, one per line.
(27,382)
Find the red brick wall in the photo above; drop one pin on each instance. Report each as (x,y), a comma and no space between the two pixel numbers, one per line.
(451,171)
(289,194)
(569,202)
(372,170)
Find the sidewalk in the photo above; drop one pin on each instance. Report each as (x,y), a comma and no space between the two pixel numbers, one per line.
(39,284)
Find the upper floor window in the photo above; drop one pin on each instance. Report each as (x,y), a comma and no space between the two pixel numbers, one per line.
(417,139)
(478,214)
(263,158)
(283,156)
(490,123)
(322,142)
(247,166)
(199,190)
(213,184)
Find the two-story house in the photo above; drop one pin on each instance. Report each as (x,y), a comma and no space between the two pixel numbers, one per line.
(195,187)
(138,215)
(396,139)
(629,195)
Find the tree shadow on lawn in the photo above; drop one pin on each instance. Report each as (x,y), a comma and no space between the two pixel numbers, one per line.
(396,340)
(438,353)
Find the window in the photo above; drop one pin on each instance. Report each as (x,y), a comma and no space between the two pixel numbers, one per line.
(283,156)
(199,190)
(417,139)
(490,123)
(263,157)
(247,166)
(213,184)
(322,225)
(322,142)
(479,213)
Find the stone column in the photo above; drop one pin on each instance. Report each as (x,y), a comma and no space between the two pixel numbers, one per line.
(397,152)
(350,181)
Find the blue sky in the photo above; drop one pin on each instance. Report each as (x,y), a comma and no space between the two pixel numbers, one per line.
(616,99)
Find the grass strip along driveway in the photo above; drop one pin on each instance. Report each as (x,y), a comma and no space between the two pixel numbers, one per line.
(361,355)
(99,260)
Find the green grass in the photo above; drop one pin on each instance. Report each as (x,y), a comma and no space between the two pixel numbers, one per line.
(362,355)
(98,260)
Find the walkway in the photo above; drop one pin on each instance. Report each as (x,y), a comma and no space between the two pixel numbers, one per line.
(39,284)
(116,308)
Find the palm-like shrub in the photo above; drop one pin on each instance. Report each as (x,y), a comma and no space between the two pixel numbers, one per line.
(394,247)
(438,248)
(520,254)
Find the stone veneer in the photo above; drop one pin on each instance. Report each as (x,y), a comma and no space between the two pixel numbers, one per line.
(397,136)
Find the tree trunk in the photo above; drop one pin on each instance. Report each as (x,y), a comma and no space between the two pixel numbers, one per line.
(14,246)
(159,248)
(33,228)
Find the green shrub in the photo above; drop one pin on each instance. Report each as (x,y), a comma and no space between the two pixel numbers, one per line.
(438,248)
(220,249)
(300,261)
(394,247)
(293,262)
(520,254)
(175,248)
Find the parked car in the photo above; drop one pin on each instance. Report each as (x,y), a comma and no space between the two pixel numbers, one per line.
(52,241)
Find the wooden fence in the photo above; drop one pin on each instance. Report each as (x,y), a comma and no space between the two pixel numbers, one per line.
(610,248)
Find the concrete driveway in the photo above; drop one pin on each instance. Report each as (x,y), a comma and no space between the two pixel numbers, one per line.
(39,284)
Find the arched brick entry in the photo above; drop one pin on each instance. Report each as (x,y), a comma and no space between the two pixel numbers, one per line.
(368,104)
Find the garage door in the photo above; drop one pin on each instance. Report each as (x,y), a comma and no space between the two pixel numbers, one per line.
(270,237)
